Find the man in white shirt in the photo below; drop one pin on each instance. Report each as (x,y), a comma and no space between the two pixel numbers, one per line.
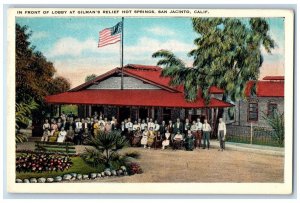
(78,132)
(150,124)
(156,126)
(136,126)
(143,125)
(129,125)
(221,133)
(101,121)
(198,136)
(206,134)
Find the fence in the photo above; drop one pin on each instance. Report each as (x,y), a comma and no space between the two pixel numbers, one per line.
(260,136)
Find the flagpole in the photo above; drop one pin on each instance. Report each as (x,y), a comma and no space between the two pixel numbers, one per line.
(122,38)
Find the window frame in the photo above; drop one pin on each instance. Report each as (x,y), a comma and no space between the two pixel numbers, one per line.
(248,111)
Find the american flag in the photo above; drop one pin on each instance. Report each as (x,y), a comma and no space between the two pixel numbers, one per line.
(110,35)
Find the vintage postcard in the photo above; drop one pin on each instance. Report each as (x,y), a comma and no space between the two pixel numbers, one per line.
(156,101)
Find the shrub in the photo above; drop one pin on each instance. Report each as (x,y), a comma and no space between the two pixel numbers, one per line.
(134,168)
(106,148)
(42,162)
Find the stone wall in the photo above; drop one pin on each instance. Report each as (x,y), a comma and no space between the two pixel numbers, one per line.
(262,108)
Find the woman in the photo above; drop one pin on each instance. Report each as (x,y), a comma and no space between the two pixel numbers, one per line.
(62,135)
(166,142)
(137,137)
(96,128)
(145,138)
(151,137)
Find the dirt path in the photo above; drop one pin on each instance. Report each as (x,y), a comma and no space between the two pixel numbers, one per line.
(204,166)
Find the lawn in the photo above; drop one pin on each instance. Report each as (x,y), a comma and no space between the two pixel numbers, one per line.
(79,166)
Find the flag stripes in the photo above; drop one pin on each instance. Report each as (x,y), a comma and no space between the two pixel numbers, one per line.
(110,35)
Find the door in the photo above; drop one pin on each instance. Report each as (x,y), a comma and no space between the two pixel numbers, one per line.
(124,113)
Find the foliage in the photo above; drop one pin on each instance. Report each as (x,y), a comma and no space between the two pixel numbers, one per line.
(276,122)
(22,118)
(68,109)
(78,166)
(227,55)
(42,162)
(134,168)
(106,148)
(90,77)
(35,75)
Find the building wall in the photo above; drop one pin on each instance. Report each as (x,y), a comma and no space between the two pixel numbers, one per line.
(129,83)
(242,116)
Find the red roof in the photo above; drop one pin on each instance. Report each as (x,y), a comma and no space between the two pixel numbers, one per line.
(150,74)
(166,97)
(273,78)
(159,98)
(266,88)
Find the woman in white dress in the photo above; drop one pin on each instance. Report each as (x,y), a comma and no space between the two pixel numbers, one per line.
(144,139)
(166,142)
(62,135)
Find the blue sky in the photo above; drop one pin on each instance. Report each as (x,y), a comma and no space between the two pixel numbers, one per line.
(71,43)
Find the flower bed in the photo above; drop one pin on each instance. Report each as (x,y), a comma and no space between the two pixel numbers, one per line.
(42,163)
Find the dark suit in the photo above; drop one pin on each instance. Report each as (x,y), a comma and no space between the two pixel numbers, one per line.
(177,128)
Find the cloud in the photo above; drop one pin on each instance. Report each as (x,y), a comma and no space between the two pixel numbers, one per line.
(160,31)
(76,59)
(73,47)
(39,35)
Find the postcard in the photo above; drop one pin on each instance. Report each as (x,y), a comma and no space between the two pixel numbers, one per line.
(150,101)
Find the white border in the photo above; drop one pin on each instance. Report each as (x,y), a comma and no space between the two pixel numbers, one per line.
(159,188)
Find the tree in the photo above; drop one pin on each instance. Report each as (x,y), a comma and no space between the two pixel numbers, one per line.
(276,123)
(59,84)
(34,75)
(227,55)
(90,77)
(23,113)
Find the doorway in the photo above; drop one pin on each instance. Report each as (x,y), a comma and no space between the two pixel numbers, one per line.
(124,113)
(143,113)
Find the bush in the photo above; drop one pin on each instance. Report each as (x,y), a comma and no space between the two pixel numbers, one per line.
(106,148)
(134,168)
(42,162)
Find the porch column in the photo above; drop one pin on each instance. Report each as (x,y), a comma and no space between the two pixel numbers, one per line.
(59,110)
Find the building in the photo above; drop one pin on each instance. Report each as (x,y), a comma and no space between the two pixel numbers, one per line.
(262,98)
(145,94)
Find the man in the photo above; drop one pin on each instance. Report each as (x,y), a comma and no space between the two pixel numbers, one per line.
(162,128)
(156,126)
(135,126)
(178,126)
(122,127)
(101,121)
(143,125)
(198,136)
(187,126)
(150,124)
(206,134)
(46,131)
(129,127)
(170,127)
(78,132)
(222,134)
(189,141)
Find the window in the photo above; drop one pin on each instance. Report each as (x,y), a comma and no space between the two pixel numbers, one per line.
(253,111)
(272,108)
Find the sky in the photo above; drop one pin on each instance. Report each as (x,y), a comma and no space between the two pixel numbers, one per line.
(71,43)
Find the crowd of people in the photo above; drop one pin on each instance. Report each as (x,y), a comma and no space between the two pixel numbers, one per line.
(147,132)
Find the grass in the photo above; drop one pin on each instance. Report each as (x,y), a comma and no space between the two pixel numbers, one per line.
(79,166)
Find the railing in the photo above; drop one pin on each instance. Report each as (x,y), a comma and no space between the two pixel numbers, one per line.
(260,136)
